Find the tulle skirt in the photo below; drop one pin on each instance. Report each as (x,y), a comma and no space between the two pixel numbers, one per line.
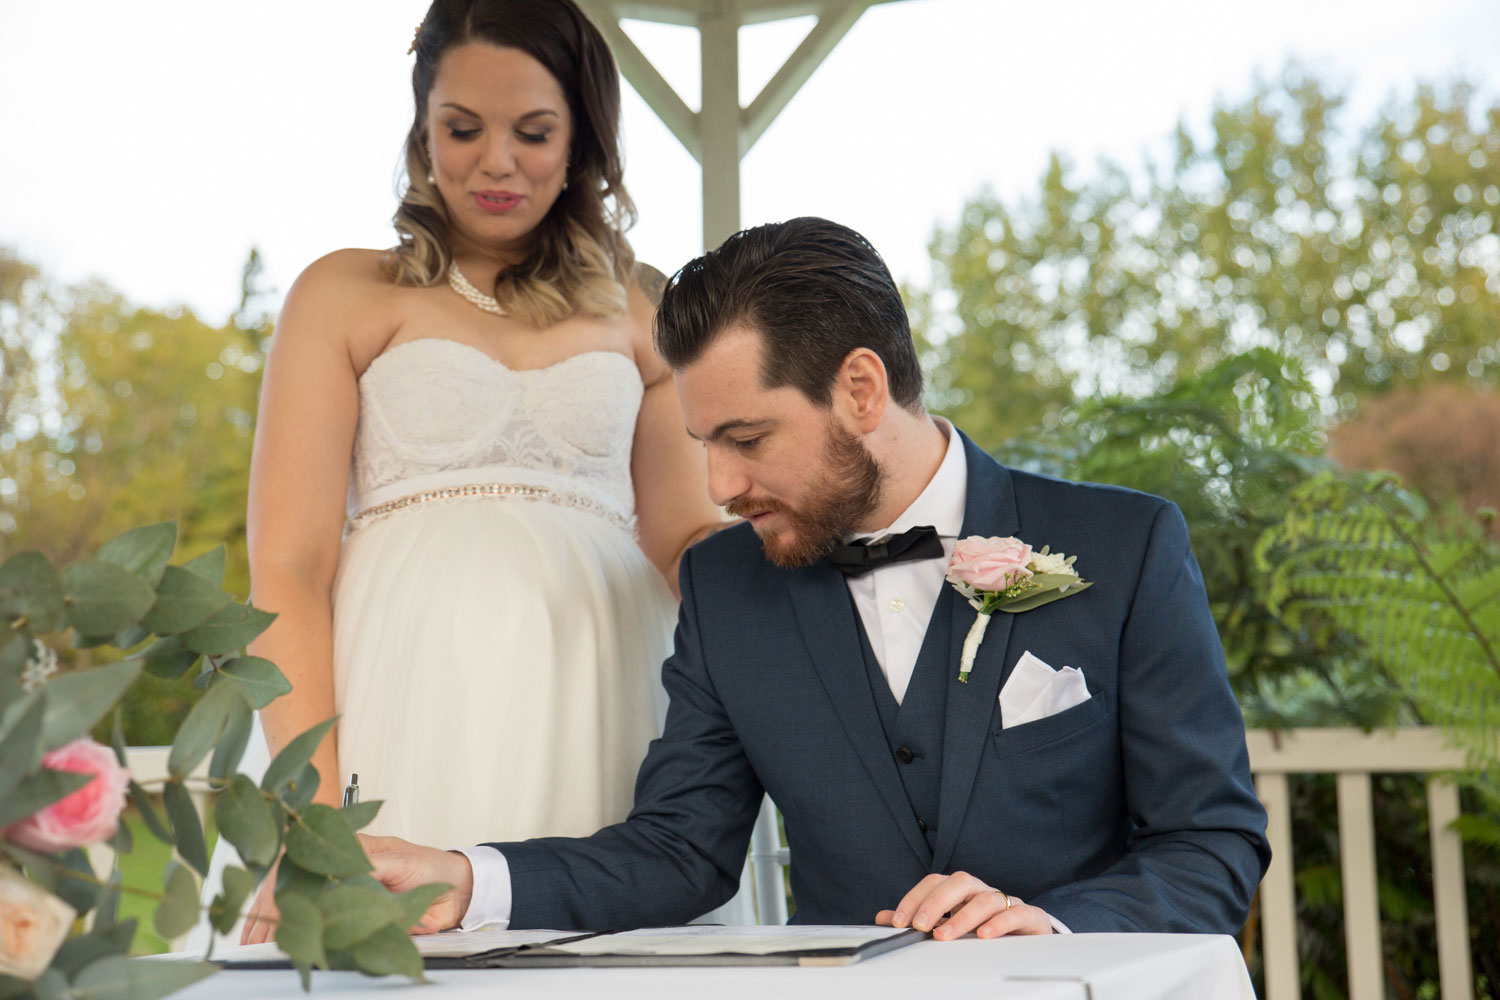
(496,669)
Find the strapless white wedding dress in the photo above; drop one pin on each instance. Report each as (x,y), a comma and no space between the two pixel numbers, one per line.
(498,633)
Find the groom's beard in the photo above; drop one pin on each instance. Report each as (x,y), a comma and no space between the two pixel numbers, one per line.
(843,496)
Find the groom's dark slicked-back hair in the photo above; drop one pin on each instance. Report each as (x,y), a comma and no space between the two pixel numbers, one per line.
(813,289)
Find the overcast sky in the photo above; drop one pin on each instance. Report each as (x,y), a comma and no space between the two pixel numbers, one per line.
(153,143)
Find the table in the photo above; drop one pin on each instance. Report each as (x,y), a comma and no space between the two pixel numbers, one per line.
(1060,967)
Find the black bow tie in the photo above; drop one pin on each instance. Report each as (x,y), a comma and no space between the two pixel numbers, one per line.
(860,557)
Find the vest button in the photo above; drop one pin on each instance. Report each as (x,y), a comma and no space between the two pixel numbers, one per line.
(904,754)
(922,825)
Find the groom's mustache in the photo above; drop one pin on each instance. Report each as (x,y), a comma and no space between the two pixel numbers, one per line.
(750,506)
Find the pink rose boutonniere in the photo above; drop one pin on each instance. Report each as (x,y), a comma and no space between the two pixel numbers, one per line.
(1004,574)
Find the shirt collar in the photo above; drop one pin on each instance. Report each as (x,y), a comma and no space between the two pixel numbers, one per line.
(941,502)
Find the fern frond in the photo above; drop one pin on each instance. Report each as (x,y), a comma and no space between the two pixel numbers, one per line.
(1420,594)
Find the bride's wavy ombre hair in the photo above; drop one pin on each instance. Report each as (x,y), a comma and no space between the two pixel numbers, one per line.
(579,259)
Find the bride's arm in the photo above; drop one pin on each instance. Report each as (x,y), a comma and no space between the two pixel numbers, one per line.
(299,475)
(668,467)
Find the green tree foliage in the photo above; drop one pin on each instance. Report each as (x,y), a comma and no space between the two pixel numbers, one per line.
(1373,259)
(115,415)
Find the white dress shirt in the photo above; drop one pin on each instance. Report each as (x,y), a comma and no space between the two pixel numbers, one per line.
(895,604)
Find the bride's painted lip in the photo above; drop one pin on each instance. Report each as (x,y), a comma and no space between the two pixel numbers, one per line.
(496,202)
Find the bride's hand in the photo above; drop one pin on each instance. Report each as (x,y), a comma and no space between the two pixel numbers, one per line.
(260,921)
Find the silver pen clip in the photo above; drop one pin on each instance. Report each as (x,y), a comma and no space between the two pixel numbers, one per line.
(351,791)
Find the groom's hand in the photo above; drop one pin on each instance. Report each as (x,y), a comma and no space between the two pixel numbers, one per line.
(401,865)
(969,905)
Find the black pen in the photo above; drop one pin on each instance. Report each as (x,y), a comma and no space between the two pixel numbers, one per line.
(351,791)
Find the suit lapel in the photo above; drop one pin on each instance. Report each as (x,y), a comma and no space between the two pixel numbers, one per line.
(989,511)
(828,622)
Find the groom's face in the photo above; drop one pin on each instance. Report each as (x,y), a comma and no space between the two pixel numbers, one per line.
(775,457)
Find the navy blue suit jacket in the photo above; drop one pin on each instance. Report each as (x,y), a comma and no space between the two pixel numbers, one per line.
(1132,811)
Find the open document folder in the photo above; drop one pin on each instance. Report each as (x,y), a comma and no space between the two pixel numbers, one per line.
(695,945)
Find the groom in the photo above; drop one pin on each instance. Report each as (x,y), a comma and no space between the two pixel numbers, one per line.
(832,683)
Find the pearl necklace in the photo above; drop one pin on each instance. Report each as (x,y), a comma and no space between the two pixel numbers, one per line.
(460,284)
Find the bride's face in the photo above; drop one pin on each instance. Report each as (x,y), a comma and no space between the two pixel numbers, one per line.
(499,130)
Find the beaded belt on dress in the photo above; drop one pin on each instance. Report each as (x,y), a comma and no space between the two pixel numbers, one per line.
(563,497)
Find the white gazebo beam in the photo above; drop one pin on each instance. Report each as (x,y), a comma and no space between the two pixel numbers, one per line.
(721,132)
(835,18)
(650,84)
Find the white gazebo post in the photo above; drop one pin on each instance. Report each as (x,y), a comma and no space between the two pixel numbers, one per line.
(722,132)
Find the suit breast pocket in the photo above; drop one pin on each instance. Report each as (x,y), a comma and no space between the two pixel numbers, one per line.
(1066,728)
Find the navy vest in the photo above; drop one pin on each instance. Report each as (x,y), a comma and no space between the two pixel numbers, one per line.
(914,728)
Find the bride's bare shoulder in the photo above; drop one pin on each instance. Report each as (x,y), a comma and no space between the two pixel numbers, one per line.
(347,294)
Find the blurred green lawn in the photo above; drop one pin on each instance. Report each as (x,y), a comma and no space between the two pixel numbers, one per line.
(143,868)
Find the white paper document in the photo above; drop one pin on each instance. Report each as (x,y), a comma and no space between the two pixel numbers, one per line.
(715,940)
(448,944)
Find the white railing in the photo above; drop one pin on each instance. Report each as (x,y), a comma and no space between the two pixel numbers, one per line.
(1352,756)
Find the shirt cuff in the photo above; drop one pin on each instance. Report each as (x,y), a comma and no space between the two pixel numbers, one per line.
(489,903)
(1058,927)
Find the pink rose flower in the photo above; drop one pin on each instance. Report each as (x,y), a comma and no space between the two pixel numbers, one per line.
(989,563)
(89,814)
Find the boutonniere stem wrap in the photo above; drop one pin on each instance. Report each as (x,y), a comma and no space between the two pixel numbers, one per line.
(1004,574)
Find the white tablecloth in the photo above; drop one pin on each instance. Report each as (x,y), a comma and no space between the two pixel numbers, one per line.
(1060,967)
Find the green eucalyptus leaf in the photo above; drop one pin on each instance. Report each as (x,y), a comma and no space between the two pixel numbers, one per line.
(117,738)
(12,988)
(121,841)
(298,793)
(245,820)
(388,952)
(187,829)
(202,728)
(104,598)
(352,913)
(169,658)
(295,756)
(225,910)
(131,637)
(261,681)
(178,910)
(143,551)
(21,742)
(210,565)
(15,650)
(30,589)
(141,799)
(292,878)
(1032,601)
(120,978)
(82,951)
(322,841)
(231,746)
(52,985)
(184,600)
(361,814)
(39,791)
(299,930)
(228,630)
(107,910)
(77,700)
(414,902)
(80,891)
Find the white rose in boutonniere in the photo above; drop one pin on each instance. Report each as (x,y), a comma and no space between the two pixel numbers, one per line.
(1004,574)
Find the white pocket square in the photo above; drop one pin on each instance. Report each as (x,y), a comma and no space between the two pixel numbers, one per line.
(1035,691)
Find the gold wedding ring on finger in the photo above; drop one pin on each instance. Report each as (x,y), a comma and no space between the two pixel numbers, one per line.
(1009,902)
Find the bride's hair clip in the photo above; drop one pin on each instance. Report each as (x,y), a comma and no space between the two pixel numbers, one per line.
(414,36)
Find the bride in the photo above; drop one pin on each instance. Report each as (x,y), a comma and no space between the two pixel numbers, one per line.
(488,614)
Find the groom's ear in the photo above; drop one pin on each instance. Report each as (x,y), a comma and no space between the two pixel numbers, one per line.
(860,390)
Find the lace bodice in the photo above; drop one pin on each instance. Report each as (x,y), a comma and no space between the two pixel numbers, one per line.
(437,406)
